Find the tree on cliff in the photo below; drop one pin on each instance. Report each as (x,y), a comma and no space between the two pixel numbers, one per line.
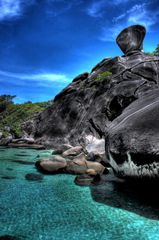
(156,52)
(5,100)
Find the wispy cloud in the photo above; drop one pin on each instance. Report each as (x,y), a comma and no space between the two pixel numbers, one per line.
(39,77)
(96,8)
(138,14)
(143,16)
(35,87)
(99,8)
(110,34)
(13,8)
(58,7)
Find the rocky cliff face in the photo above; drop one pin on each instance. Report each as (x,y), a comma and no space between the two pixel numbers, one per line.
(103,102)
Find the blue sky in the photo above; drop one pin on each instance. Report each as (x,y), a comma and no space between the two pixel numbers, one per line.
(45,43)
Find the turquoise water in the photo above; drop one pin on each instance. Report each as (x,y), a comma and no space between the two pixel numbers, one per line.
(55,208)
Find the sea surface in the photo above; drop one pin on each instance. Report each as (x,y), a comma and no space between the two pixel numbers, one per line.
(54,208)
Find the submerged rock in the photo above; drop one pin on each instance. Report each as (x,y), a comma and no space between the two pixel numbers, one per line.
(34,177)
(87,180)
(23,162)
(9,169)
(83,180)
(8,237)
(8,177)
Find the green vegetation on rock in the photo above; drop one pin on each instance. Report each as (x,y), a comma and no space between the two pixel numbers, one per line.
(156,52)
(103,76)
(13,115)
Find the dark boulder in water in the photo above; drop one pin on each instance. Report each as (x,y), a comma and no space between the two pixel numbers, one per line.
(8,237)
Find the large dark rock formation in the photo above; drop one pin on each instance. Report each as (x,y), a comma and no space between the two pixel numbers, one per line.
(93,105)
(133,139)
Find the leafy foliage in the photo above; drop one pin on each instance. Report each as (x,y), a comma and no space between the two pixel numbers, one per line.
(13,115)
(156,52)
(5,100)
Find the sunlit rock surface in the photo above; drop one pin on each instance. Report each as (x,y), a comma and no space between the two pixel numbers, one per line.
(133,138)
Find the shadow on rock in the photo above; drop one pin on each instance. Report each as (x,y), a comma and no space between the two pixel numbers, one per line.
(138,197)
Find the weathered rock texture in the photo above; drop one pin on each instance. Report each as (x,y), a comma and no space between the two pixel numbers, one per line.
(93,105)
(133,139)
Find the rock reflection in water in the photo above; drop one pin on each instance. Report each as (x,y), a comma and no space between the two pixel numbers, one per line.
(138,197)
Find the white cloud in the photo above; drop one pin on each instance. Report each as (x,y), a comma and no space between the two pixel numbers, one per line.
(39,77)
(13,8)
(143,17)
(138,14)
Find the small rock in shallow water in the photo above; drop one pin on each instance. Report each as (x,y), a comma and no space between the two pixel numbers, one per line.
(83,180)
(74,151)
(96,179)
(62,148)
(53,165)
(34,177)
(8,177)
(23,162)
(57,152)
(9,169)
(91,172)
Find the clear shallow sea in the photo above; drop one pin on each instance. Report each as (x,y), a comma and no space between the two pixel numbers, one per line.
(56,209)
